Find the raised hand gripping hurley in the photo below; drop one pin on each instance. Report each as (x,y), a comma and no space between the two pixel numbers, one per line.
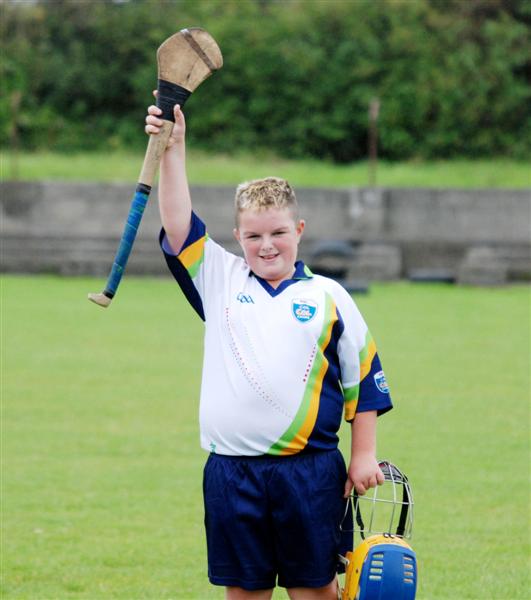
(184,60)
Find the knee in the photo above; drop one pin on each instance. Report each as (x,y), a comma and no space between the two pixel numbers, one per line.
(238,593)
(327,592)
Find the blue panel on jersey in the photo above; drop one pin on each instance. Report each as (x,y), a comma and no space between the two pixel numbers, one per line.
(197,231)
(374,391)
(177,268)
(324,435)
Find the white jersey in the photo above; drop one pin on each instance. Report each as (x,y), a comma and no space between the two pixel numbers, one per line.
(280,365)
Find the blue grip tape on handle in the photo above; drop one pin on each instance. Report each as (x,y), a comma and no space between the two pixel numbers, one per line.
(136,213)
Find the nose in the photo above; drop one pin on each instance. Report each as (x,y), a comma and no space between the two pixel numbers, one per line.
(267,243)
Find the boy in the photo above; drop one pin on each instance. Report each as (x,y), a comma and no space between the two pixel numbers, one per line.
(286,352)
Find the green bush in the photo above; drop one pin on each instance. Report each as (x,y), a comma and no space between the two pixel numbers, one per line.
(298,75)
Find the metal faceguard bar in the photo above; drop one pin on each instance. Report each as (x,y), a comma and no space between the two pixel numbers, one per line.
(396,478)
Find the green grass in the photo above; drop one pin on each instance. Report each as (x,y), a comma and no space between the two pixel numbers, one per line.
(101,474)
(230,170)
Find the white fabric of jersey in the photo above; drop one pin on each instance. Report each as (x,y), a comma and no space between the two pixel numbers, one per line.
(280,365)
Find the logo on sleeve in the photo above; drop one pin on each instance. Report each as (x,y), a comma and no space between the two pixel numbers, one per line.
(303,310)
(381,383)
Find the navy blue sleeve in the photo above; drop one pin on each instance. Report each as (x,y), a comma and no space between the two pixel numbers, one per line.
(374,391)
(178,269)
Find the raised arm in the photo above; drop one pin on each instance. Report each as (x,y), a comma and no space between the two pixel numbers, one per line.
(175,204)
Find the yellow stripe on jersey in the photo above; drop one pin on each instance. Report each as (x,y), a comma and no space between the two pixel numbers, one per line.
(351,396)
(192,256)
(366,356)
(296,436)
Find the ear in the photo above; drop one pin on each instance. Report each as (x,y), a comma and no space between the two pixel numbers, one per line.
(236,233)
(300,228)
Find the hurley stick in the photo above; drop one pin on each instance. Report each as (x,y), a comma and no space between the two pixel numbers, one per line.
(184,60)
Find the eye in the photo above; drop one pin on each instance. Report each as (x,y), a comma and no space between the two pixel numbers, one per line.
(252,236)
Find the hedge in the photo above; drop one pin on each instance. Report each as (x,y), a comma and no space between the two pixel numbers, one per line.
(452,77)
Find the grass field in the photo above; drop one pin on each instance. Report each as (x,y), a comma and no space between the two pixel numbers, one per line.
(101,474)
(230,170)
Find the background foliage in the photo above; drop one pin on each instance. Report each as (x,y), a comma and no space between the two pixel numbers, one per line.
(452,76)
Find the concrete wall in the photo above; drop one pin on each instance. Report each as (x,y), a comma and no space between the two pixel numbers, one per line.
(74,228)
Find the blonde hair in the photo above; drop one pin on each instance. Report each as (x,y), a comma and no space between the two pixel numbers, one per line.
(260,194)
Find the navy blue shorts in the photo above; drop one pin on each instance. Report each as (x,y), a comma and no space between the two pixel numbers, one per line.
(269,517)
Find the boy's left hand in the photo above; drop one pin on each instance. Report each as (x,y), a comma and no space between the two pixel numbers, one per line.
(363,474)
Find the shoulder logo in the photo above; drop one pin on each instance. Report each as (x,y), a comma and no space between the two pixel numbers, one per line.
(303,310)
(381,382)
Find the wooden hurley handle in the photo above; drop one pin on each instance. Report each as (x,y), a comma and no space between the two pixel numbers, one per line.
(156,148)
(185,60)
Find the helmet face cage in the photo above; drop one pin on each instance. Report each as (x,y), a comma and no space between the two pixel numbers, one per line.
(386,509)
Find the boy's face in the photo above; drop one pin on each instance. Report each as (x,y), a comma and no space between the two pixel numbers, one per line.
(269,239)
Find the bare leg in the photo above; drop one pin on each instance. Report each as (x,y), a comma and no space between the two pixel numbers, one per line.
(238,593)
(328,592)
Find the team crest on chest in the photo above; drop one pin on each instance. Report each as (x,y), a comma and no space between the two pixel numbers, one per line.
(303,310)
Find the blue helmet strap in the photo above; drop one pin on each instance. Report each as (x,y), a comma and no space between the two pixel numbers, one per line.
(401,528)
(405,508)
(359,518)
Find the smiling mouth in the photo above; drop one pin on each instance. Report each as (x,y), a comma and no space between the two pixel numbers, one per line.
(269,257)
